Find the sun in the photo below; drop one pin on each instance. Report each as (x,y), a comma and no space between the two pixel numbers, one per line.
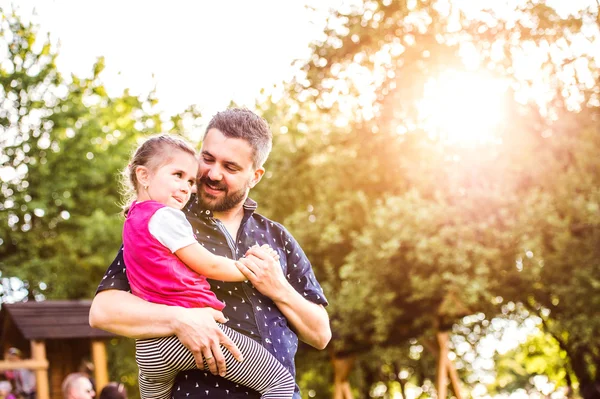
(463,108)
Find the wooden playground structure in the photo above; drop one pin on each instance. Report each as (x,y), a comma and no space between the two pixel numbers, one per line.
(449,309)
(54,337)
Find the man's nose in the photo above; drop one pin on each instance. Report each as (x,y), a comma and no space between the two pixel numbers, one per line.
(215,174)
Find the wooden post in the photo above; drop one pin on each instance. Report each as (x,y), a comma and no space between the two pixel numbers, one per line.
(28,364)
(442,369)
(454,380)
(38,353)
(342,366)
(100,363)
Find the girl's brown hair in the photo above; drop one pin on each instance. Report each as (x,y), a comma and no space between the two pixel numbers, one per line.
(153,153)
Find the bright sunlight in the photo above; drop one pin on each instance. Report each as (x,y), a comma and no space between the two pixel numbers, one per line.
(463,108)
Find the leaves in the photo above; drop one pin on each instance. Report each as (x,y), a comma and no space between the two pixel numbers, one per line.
(64,145)
(409,233)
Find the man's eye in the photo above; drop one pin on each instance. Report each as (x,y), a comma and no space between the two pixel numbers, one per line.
(207,160)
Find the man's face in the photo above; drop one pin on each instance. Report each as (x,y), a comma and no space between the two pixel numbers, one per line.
(82,389)
(226,172)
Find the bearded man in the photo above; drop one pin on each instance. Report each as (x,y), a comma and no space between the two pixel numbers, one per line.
(281,301)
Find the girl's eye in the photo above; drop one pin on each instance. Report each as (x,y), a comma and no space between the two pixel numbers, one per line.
(178,174)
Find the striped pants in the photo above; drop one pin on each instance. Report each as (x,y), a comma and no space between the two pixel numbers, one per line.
(160,359)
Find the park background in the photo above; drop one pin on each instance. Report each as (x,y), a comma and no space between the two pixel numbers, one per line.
(436,159)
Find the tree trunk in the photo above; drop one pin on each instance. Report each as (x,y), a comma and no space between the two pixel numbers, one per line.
(369,381)
(402,387)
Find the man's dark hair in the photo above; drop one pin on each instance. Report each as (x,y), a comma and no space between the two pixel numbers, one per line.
(240,123)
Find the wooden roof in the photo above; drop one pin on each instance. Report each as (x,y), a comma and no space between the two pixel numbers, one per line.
(51,319)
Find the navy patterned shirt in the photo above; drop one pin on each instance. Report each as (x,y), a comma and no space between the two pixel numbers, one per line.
(248,311)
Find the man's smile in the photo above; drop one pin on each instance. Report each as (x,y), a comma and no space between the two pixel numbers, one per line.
(213,188)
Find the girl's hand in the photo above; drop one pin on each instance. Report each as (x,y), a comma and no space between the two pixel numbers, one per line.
(267,248)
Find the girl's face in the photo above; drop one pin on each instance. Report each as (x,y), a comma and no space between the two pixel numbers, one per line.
(170,184)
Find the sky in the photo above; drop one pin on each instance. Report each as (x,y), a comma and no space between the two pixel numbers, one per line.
(198,52)
(194,52)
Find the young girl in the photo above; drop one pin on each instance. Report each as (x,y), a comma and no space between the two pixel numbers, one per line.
(165,264)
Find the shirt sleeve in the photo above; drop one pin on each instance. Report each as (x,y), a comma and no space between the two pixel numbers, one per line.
(115,277)
(299,271)
(171,228)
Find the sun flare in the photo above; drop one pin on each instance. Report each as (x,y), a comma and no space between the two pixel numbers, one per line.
(463,108)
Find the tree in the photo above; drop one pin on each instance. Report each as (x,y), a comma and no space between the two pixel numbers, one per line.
(537,365)
(395,220)
(64,143)
(558,261)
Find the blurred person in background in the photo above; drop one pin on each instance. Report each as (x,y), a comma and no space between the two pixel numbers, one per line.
(22,380)
(6,390)
(87,368)
(113,390)
(77,386)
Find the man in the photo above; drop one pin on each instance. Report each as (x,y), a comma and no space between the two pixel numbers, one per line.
(77,386)
(87,368)
(22,379)
(280,301)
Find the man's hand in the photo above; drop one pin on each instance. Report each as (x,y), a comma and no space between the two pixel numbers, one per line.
(261,267)
(197,330)
(123,313)
(309,320)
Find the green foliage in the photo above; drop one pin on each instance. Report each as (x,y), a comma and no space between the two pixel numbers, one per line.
(64,143)
(409,233)
(540,355)
(123,367)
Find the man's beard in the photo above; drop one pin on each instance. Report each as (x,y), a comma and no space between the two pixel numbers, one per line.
(227,202)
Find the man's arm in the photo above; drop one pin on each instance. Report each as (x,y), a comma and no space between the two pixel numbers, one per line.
(125,314)
(309,320)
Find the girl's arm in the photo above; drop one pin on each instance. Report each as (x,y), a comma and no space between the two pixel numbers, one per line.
(200,260)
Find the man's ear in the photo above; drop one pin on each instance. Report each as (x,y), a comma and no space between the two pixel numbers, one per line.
(258,174)
(143,175)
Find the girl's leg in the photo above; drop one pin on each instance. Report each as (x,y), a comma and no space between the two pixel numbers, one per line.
(160,359)
(260,370)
